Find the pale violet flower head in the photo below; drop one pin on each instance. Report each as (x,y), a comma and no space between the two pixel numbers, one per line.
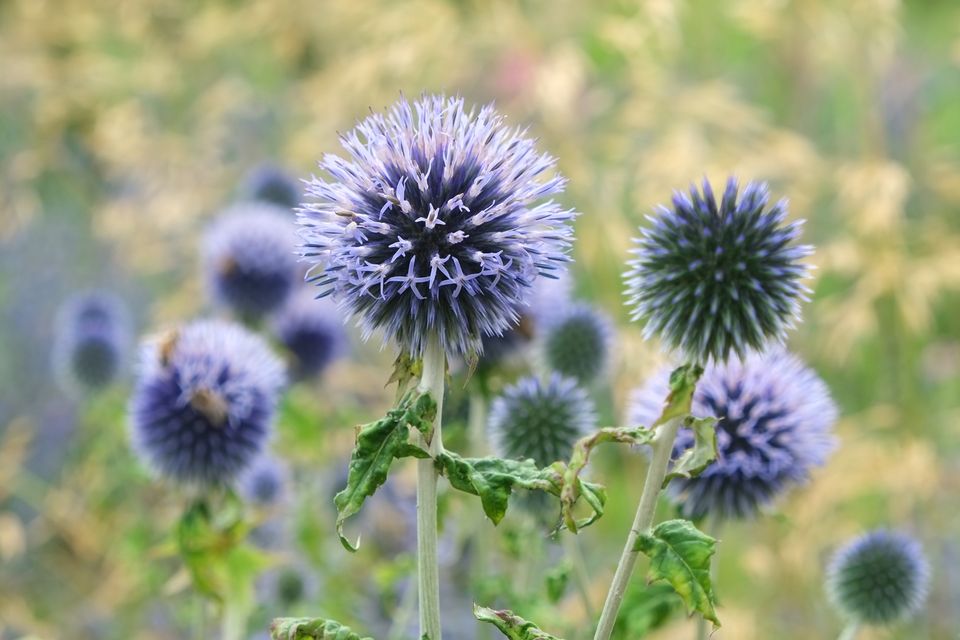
(437,220)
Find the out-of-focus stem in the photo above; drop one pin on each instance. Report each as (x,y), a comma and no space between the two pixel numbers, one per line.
(850,632)
(580,576)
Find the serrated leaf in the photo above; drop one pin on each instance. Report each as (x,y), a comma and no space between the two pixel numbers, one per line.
(572,488)
(511,625)
(697,458)
(680,555)
(378,445)
(494,479)
(311,629)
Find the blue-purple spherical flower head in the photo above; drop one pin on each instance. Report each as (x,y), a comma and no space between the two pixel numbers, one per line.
(712,278)
(272,184)
(576,342)
(250,261)
(313,333)
(541,419)
(265,482)
(775,424)
(879,578)
(204,403)
(435,223)
(91,340)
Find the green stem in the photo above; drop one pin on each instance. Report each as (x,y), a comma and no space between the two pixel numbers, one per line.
(428,573)
(656,472)
(234,623)
(581,578)
(480,540)
(711,526)
(850,631)
(398,628)
(199,617)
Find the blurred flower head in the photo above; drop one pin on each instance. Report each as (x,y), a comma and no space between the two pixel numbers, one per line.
(249,258)
(265,482)
(541,419)
(269,183)
(312,331)
(435,224)
(879,578)
(775,423)
(204,402)
(714,278)
(91,341)
(576,343)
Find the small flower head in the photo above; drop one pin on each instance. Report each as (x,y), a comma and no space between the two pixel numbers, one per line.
(313,333)
(91,341)
(264,483)
(775,422)
(435,223)
(714,278)
(203,406)
(879,578)
(249,258)
(541,420)
(576,343)
(269,183)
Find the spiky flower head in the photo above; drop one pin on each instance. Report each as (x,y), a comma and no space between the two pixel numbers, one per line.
(204,402)
(313,333)
(249,258)
(775,424)
(264,483)
(879,578)
(272,184)
(576,343)
(91,341)
(435,223)
(541,419)
(714,278)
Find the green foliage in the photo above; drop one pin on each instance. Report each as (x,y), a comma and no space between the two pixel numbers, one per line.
(683,384)
(680,555)
(556,580)
(378,445)
(697,458)
(646,609)
(311,629)
(510,625)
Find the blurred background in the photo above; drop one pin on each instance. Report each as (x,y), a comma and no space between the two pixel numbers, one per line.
(126,126)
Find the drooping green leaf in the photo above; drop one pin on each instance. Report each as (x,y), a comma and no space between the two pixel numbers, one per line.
(510,625)
(378,445)
(311,629)
(572,488)
(680,555)
(697,458)
(646,608)
(494,479)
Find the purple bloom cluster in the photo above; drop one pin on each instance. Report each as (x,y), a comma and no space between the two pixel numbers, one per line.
(776,418)
(313,332)
(272,184)
(91,340)
(203,406)
(435,223)
(714,278)
(265,482)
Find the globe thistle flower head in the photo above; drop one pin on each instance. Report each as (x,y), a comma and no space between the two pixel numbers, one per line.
(204,402)
(436,222)
(713,278)
(264,483)
(775,424)
(879,578)
(249,259)
(269,183)
(313,333)
(541,419)
(91,340)
(577,343)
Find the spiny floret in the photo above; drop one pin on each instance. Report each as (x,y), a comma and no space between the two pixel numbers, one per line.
(272,184)
(576,343)
(249,258)
(541,419)
(313,333)
(435,223)
(204,402)
(879,578)
(776,420)
(715,278)
(91,341)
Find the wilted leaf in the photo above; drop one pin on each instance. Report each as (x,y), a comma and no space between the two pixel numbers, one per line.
(683,384)
(311,629)
(680,555)
(697,458)
(512,626)
(378,445)
(581,456)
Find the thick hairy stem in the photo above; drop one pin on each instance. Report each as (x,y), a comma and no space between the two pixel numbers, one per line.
(850,632)
(428,574)
(662,448)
